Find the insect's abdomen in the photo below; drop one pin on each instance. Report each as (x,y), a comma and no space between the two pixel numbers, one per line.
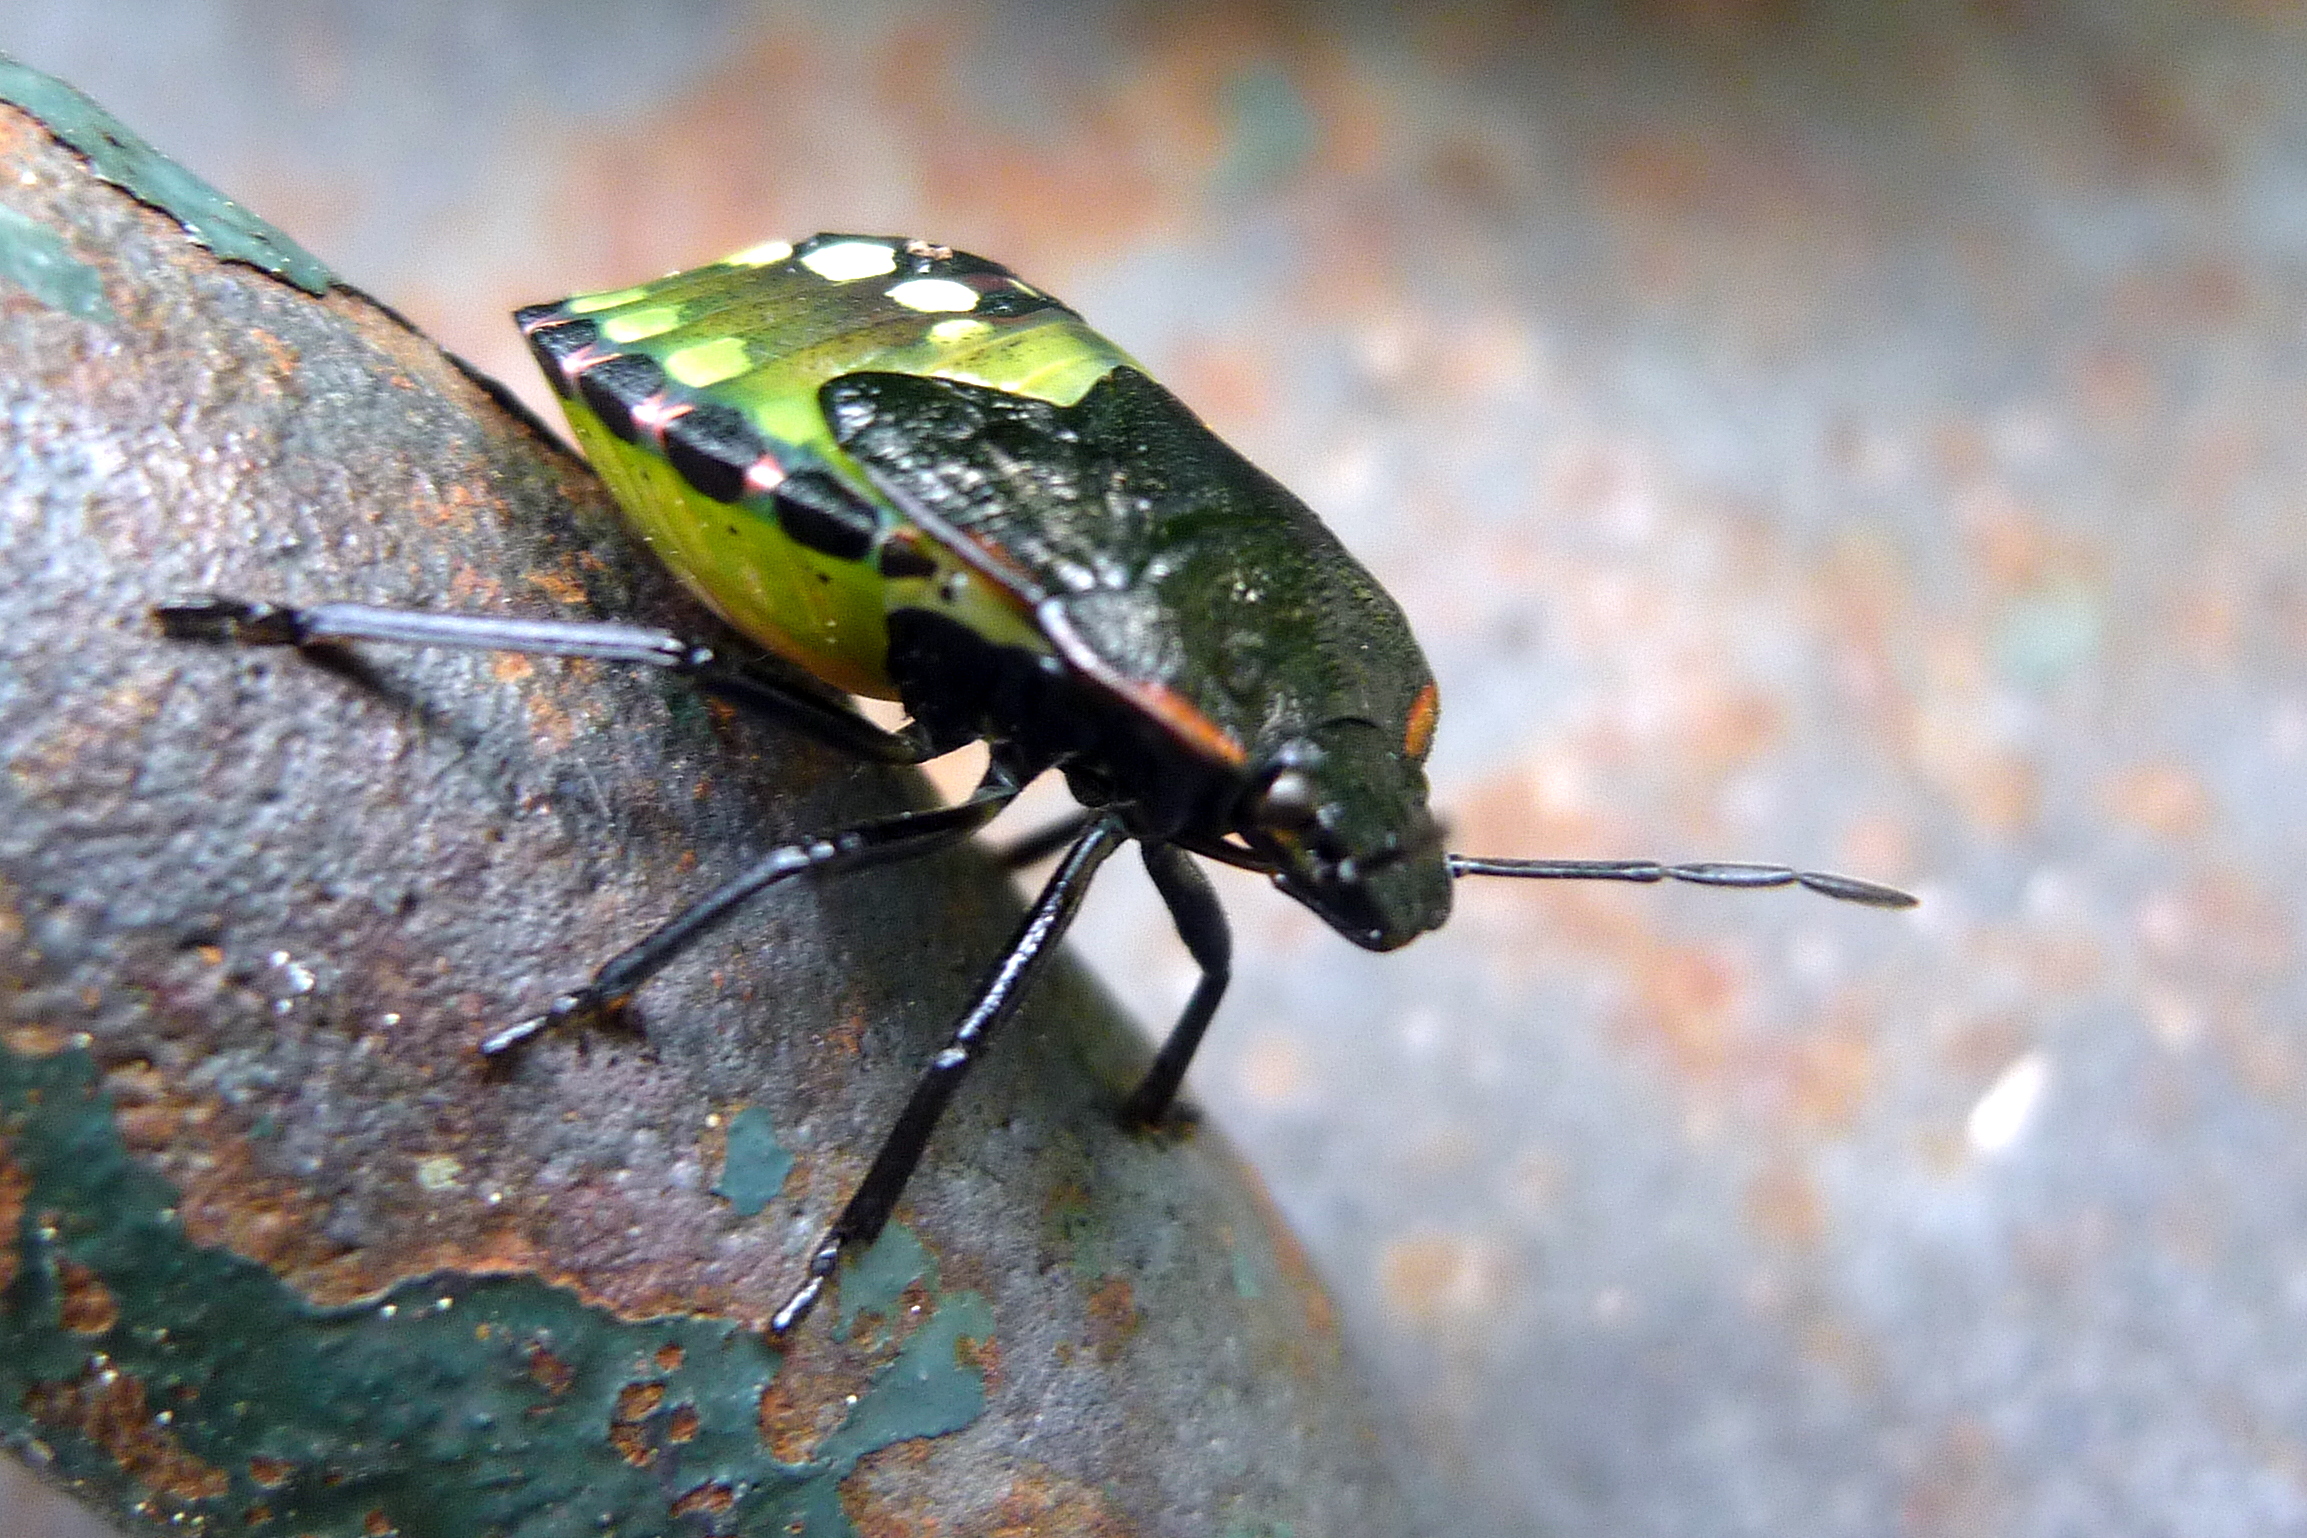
(696,397)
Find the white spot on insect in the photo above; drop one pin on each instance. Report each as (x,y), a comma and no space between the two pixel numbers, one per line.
(2003,1113)
(587,304)
(935,253)
(762,255)
(961,330)
(851,260)
(934,295)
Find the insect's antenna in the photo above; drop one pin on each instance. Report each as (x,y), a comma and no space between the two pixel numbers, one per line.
(1705,873)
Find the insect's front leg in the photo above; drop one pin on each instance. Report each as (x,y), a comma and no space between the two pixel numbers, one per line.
(904,836)
(240,622)
(1201,923)
(868,1209)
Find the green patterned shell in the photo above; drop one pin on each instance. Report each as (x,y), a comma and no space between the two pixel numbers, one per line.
(696,397)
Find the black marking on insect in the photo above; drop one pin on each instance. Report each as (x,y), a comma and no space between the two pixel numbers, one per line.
(1008,527)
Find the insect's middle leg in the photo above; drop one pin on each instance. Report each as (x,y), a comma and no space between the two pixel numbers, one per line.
(1201,923)
(868,1209)
(904,836)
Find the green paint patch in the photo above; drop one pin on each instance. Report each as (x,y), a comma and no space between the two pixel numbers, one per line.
(452,1405)
(117,154)
(754,1170)
(35,258)
(875,1281)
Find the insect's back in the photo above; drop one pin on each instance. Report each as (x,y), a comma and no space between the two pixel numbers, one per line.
(696,397)
(918,476)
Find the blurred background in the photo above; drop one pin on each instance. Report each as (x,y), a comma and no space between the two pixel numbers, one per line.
(1864,436)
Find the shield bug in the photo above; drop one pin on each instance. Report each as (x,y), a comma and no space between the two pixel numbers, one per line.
(918,477)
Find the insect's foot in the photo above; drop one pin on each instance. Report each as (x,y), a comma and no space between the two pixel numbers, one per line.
(213,617)
(1177,1118)
(568,1008)
(797,1307)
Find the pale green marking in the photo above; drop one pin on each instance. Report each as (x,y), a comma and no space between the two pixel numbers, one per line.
(708,363)
(766,254)
(642,323)
(586,304)
(951,331)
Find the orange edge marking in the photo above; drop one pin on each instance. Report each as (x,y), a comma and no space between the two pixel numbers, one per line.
(1425,710)
(1172,709)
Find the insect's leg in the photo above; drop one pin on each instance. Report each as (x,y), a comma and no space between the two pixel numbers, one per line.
(821,715)
(1035,847)
(904,836)
(1201,923)
(868,1209)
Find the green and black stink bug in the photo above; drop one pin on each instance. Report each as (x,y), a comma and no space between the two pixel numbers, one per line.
(920,478)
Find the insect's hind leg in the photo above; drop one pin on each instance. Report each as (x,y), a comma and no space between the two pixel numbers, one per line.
(904,836)
(1201,923)
(821,715)
(868,1209)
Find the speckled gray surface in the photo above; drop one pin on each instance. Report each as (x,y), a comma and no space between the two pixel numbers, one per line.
(1797,432)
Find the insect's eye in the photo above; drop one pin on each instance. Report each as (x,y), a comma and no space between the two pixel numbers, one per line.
(1288,801)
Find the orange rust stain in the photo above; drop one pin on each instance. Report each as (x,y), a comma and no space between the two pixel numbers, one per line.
(15,1189)
(670,1358)
(39,1040)
(377,1525)
(1113,1317)
(628,1423)
(88,1306)
(984,1355)
(282,355)
(559,586)
(1785,1205)
(2167,799)
(715,1497)
(109,1409)
(847,1034)
(227,1200)
(1041,1502)
(271,1473)
(808,1398)
(684,1424)
(511,668)
(1425,713)
(551,1373)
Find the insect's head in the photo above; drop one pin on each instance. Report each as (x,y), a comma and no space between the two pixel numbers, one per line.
(1340,815)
